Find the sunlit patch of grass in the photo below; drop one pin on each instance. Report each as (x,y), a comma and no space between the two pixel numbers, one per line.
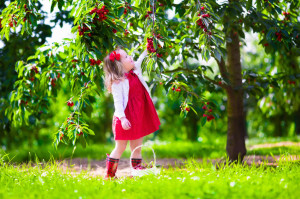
(275,150)
(163,149)
(253,141)
(193,180)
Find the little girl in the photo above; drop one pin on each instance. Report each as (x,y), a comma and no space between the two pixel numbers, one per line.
(135,115)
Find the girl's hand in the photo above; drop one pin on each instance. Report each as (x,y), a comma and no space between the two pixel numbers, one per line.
(125,123)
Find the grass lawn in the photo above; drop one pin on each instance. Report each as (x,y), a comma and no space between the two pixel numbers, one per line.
(163,149)
(193,180)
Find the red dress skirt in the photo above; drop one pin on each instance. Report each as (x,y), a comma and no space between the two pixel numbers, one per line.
(140,112)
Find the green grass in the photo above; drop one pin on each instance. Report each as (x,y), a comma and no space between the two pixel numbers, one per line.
(257,140)
(293,150)
(193,180)
(163,149)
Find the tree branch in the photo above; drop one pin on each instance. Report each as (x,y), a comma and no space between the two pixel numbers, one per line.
(222,69)
(196,72)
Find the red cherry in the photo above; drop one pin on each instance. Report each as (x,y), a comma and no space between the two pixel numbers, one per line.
(207,103)
(204,107)
(187,109)
(210,110)
(114,31)
(70,103)
(173,88)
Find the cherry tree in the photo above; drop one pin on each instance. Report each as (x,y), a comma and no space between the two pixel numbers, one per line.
(199,30)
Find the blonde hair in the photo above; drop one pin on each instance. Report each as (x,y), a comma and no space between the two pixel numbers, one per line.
(113,71)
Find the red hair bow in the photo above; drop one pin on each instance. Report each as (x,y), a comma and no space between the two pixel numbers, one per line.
(114,56)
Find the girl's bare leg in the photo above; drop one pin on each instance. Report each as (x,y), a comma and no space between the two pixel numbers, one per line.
(133,145)
(119,149)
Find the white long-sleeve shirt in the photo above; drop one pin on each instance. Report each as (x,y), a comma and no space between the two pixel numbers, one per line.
(120,90)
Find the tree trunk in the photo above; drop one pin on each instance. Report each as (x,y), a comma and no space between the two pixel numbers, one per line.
(235,148)
(297,122)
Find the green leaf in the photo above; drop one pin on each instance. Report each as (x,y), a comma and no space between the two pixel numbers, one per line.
(53,5)
(217,54)
(203,121)
(249,4)
(7,33)
(258,4)
(121,11)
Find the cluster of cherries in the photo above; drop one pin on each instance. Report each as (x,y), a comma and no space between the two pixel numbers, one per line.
(12,21)
(279,36)
(79,134)
(70,103)
(158,36)
(142,167)
(200,22)
(209,116)
(159,55)
(24,102)
(35,70)
(186,108)
(53,80)
(102,12)
(74,61)
(126,32)
(27,13)
(148,14)
(286,15)
(177,89)
(62,135)
(82,30)
(127,7)
(93,62)
(150,46)
(291,82)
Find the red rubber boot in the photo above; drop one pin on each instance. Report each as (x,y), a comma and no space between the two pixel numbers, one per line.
(136,161)
(111,167)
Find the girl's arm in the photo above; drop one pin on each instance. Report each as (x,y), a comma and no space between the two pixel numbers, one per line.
(116,89)
(138,63)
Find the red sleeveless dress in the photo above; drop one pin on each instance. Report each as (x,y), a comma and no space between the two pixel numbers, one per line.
(140,112)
